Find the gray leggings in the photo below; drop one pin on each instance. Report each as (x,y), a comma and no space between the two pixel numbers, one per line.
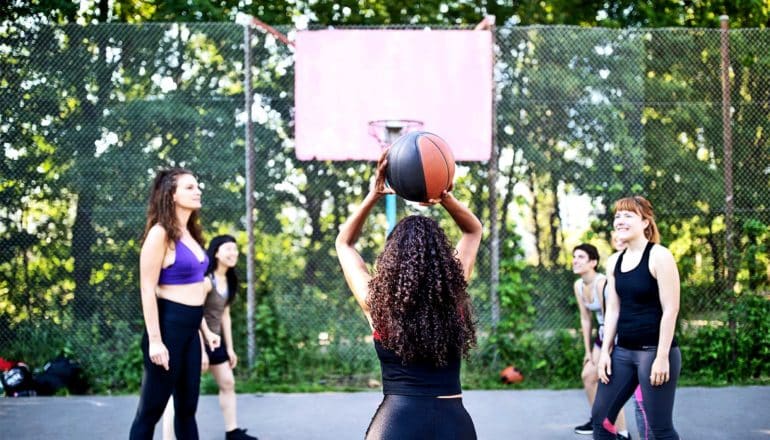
(629,369)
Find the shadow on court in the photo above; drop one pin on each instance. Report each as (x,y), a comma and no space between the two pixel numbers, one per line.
(699,414)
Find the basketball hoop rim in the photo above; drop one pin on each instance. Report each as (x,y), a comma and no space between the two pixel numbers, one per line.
(396,123)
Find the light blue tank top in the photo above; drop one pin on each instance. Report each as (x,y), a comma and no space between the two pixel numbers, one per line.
(595,305)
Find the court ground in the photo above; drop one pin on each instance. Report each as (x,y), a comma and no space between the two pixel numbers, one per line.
(699,414)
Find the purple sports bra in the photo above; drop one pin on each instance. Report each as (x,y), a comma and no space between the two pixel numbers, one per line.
(186,268)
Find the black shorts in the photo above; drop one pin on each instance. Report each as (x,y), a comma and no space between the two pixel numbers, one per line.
(218,355)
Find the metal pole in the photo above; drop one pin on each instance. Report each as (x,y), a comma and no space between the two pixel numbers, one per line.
(727,147)
(492,175)
(249,147)
(391,214)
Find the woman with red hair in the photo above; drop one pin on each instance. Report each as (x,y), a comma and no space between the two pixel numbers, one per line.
(642,308)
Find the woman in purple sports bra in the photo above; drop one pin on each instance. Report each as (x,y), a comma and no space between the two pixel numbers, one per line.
(172,265)
(418,306)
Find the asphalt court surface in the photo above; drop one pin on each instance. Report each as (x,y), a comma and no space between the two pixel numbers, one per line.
(699,414)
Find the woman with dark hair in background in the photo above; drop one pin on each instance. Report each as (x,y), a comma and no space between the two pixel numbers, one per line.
(172,267)
(221,283)
(642,307)
(418,306)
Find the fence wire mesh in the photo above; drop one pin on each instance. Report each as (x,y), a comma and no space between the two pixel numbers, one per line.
(583,116)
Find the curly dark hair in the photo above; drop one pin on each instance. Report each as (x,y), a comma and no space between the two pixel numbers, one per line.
(418,296)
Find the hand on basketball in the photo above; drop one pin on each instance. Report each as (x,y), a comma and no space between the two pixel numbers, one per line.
(604,367)
(158,354)
(444,194)
(380,187)
(659,373)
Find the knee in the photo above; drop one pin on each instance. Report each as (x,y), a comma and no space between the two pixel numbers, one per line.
(589,375)
(227,385)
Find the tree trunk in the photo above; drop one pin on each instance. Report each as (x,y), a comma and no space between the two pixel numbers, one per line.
(533,190)
(555,224)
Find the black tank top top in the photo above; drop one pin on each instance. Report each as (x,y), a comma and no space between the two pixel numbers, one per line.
(640,308)
(416,379)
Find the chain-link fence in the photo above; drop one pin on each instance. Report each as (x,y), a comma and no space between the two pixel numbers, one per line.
(583,116)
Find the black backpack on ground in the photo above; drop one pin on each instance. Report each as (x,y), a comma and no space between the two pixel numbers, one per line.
(60,373)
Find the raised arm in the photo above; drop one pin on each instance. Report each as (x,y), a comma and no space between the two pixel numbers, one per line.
(354,268)
(469,224)
(150,263)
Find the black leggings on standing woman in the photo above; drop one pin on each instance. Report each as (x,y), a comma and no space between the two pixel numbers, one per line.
(629,369)
(179,325)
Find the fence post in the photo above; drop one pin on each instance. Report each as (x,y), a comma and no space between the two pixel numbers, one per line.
(488,23)
(727,148)
(249,147)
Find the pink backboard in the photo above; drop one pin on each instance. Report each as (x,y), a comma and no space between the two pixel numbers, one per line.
(346,78)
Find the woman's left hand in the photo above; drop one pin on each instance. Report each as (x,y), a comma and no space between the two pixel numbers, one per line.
(660,371)
(233,357)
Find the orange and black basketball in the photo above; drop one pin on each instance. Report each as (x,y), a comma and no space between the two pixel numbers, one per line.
(511,375)
(420,166)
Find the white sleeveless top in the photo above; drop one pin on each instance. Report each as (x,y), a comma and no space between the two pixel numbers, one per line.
(595,305)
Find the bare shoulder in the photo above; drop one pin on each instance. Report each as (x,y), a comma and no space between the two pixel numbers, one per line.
(156,238)
(157,232)
(661,254)
(611,261)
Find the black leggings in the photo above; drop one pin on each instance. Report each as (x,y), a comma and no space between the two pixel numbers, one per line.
(421,418)
(179,330)
(629,369)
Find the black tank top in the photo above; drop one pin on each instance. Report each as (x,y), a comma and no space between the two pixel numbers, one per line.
(640,308)
(417,379)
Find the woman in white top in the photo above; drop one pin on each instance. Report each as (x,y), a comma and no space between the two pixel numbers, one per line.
(589,293)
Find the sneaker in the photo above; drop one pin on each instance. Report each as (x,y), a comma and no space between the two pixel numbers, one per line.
(238,434)
(624,437)
(585,429)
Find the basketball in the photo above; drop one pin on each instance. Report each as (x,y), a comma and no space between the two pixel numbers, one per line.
(511,375)
(420,166)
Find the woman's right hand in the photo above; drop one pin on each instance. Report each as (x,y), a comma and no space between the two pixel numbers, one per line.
(604,367)
(587,358)
(158,354)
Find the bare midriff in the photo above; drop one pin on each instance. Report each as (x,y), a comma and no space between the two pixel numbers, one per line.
(188,294)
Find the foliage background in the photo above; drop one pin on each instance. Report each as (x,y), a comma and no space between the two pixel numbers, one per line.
(609,98)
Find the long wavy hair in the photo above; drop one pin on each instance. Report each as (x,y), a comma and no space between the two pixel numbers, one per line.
(160,207)
(643,207)
(232,278)
(418,297)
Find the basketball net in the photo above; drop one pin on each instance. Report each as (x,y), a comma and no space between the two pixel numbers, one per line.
(385,131)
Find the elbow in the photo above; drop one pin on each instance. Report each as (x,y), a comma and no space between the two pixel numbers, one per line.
(477,227)
(341,241)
